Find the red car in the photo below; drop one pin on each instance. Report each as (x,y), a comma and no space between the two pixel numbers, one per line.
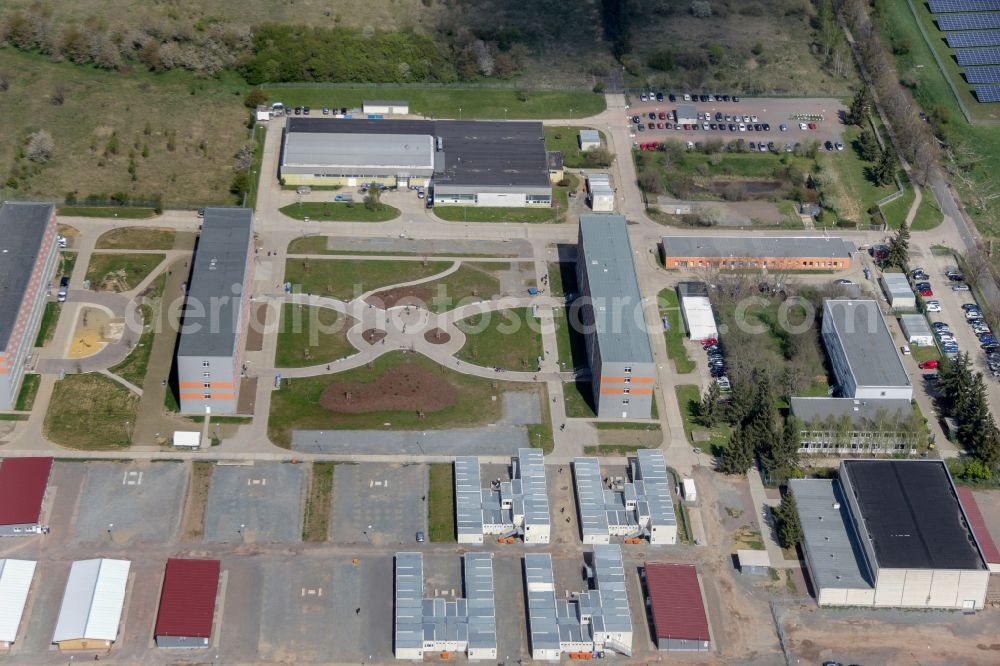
(927,293)
(928,365)
(709,341)
(663,116)
(812,125)
(659,125)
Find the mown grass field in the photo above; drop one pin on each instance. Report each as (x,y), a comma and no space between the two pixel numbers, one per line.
(125,212)
(316,521)
(203,119)
(476,214)
(670,308)
(566,139)
(137,238)
(441,503)
(346,279)
(311,336)
(510,339)
(120,272)
(339,211)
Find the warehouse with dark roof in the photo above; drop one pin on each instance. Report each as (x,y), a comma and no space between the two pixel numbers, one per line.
(216,313)
(677,609)
(465,162)
(28,255)
(23,482)
(890,533)
(187,603)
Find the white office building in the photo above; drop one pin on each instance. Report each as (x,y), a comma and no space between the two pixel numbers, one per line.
(864,357)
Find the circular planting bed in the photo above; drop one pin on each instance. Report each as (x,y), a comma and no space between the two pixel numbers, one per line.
(437,336)
(373,335)
(405,387)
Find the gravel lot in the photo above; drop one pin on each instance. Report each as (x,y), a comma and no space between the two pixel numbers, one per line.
(266,498)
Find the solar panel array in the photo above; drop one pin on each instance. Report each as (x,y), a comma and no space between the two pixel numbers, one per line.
(988,93)
(972,57)
(969,21)
(983,74)
(959,40)
(950,6)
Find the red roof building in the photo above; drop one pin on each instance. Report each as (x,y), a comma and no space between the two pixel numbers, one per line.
(187,603)
(679,619)
(978,524)
(22,488)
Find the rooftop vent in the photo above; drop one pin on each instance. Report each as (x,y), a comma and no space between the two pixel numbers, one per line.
(836,506)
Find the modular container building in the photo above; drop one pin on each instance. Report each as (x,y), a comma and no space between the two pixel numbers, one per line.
(916,330)
(589,139)
(897,291)
(775,253)
(696,309)
(600,193)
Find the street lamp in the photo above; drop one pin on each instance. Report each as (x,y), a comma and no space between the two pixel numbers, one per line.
(240,529)
(365,532)
(505,113)
(459,113)
(110,526)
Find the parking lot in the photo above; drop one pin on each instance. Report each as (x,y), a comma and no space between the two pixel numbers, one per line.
(121,504)
(255,503)
(378,503)
(826,114)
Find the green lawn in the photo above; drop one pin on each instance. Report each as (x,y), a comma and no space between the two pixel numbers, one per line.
(857,192)
(311,336)
(137,238)
(29,389)
(124,212)
(509,339)
(450,102)
(921,354)
(339,211)
(296,404)
(566,139)
(477,214)
(91,412)
(579,401)
(67,262)
(670,308)
(345,279)
(689,399)
(120,272)
(562,277)
(441,503)
(469,284)
(133,368)
(928,215)
(570,341)
(47,328)
(316,521)
(255,170)
(308,245)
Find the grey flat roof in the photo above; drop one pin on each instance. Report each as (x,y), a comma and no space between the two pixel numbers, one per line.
(811,409)
(912,514)
(820,247)
(915,324)
(590,135)
(692,289)
(476,152)
(621,327)
(897,284)
(359,151)
(22,229)
(217,278)
(836,557)
(599,508)
(868,345)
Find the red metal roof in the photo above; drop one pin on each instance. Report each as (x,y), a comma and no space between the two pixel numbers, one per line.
(187,603)
(978,525)
(22,488)
(676,601)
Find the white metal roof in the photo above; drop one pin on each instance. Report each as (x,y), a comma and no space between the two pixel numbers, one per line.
(699,317)
(600,508)
(187,439)
(15,580)
(753,558)
(476,506)
(93,601)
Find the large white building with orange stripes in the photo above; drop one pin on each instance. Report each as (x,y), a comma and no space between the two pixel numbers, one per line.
(610,312)
(28,255)
(216,314)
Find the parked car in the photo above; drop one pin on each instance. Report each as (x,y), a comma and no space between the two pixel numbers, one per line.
(970,306)
(723,383)
(812,126)
(803,126)
(326,110)
(672,97)
(839,146)
(62,242)
(905,349)
(960,287)
(305,110)
(928,365)
(659,97)
(709,341)
(933,306)
(828,145)
(63,289)
(420,537)
(843,281)
(926,293)
(783,127)
(923,285)
(347,197)
(662,115)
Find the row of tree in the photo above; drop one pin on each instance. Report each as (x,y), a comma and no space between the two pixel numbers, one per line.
(963,396)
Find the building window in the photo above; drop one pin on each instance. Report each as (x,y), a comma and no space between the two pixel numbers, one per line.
(206,385)
(628,370)
(628,380)
(205,364)
(206,374)
(539,199)
(626,391)
(624,401)
(208,396)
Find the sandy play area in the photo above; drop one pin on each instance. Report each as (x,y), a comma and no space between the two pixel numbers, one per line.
(95,328)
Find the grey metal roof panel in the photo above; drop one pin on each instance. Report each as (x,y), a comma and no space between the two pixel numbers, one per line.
(360,151)
(912,514)
(468,496)
(590,496)
(619,321)
(811,410)
(22,230)
(829,535)
(897,284)
(214,299)
(867,343)
(915,324)
(819,247)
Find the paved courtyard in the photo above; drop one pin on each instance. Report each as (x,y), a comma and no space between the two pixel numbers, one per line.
(261,502)
(499,440)
(391,499)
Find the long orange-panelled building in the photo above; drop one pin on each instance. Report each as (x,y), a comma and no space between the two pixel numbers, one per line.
(749,251)
(216,314)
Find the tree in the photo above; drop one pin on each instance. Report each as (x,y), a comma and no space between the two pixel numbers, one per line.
(782,455)
(786,518)
(40,147)
(709,411)
(649,182)
(373,201)
(254,98)
(868,146)
(737,458)
(861,106)
(701,9)
(885,169)
(662,60)
(899,247)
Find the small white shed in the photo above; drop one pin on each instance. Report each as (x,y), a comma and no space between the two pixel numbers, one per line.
(589,139)
(689,490)
(385,107)
(263,113)
(187,439)
(916,330)
(754,562)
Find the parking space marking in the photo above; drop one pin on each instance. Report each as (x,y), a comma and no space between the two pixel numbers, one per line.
(312,591)
(257,482)
(132,478)
(384,483)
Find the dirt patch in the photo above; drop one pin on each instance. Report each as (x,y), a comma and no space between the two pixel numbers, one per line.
(406,387)
(437,336)
(193,520)
(373,335)
(418,295)
(259,319)
(248,395)
(94,330)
